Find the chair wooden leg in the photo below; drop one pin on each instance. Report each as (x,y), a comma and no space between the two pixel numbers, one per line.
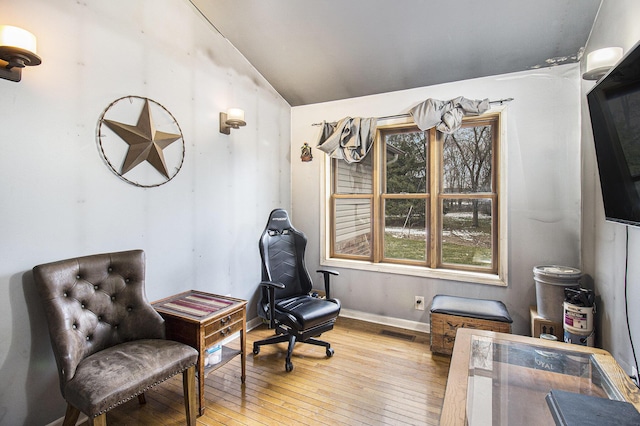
(100,420)
(189,389)
(142,399)
(71,416)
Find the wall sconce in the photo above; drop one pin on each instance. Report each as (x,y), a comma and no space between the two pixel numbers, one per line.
(600,61)
(232,119)
(17,50)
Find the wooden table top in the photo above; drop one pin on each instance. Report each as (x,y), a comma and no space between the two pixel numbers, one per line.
(512,375)
(197,306)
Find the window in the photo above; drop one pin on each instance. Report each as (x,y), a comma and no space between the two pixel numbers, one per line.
(422,199)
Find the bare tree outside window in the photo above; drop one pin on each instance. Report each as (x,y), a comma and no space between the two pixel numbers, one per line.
(467,162)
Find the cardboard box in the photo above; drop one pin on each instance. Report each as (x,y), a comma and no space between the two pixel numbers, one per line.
(541,325)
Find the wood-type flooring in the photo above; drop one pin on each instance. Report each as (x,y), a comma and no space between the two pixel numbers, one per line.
(378,376)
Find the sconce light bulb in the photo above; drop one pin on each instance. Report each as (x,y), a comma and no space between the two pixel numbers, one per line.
(17,37)
(600,61)
(235,114)
(17,50)
(232,119)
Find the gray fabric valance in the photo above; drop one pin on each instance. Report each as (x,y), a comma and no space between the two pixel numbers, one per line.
(349,139)
(446,116)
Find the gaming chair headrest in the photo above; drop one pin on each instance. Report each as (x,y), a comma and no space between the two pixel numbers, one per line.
(279,221)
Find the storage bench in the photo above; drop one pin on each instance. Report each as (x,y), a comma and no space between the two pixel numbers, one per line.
(448,313)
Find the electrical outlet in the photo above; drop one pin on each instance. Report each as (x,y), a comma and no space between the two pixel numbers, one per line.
(419,303)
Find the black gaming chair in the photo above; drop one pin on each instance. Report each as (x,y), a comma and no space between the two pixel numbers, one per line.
(285,299)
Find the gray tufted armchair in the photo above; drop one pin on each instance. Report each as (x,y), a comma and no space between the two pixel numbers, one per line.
(108,341)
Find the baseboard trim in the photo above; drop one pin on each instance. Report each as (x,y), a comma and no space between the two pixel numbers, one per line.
(384,320)
(253,323)
(365,316)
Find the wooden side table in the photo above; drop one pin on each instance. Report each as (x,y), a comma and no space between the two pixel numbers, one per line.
(202,320)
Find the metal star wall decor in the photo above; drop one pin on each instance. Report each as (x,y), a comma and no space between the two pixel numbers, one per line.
(146,149)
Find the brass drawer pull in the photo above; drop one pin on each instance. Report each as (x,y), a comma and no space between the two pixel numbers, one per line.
(223,321)
(225,331)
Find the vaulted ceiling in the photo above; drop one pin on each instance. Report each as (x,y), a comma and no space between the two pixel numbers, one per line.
(314,51)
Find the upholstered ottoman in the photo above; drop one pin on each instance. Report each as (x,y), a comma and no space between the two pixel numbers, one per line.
(448,313)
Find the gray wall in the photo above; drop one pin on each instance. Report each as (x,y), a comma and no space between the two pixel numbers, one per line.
(60,200)
(199,230)
(604,243)
(543,189)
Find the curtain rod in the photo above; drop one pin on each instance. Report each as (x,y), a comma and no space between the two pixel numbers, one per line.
(389,117)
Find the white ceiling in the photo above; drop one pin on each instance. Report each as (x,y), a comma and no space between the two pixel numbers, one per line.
(323,50)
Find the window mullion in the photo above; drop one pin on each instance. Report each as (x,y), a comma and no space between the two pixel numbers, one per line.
(378,203)
(435,170)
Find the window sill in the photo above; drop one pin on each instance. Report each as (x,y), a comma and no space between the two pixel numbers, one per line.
(417,271)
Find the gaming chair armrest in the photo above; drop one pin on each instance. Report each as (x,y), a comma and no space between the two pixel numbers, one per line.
(271,290)
(272,284)
(327,273)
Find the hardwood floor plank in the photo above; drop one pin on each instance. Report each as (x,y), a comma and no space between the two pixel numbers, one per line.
(378,376)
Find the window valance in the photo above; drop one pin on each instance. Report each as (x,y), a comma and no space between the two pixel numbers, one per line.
(349,139)
(446,116)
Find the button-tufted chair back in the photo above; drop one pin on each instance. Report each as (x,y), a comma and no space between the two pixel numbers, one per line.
(95,302)
(108,341)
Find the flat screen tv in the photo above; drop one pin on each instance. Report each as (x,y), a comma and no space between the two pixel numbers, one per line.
(614,106)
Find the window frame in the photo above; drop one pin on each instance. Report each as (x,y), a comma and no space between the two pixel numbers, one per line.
(434,269)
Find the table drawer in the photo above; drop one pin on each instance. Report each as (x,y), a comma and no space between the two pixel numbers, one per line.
(224,322)
(218,333)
